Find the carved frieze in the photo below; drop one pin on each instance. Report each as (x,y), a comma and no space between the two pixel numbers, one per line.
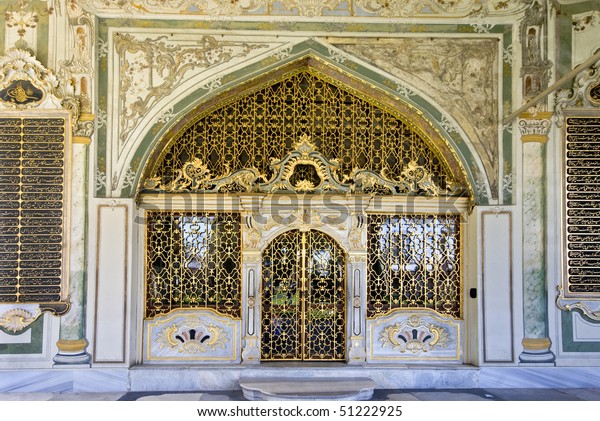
(350,8)
(303,170)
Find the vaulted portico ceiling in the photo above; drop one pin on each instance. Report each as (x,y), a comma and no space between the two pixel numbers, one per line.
(196,9)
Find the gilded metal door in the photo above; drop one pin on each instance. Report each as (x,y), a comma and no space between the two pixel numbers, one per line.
(303,298)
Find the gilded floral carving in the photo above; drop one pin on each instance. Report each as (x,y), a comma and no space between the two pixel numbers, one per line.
(414,336)
(192,337)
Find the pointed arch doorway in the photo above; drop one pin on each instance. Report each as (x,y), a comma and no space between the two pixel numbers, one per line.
(303,302)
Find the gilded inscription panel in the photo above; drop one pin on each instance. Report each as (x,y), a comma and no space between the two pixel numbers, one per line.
(32,210)
(582,205)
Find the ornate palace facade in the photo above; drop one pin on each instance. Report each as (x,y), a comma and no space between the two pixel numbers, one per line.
(195,190)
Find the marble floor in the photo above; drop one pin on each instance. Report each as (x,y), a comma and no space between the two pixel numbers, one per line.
(488,394)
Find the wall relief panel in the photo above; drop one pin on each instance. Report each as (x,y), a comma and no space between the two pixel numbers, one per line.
(461,75)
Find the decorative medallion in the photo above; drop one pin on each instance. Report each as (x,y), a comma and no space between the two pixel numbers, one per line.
(415,336)
(21,92)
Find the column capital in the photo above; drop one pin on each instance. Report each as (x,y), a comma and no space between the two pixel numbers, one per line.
(83,129)
(534,127)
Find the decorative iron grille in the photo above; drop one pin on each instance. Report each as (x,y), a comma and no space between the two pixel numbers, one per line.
(193,261)
(253,130)
(413,262)
(303,298)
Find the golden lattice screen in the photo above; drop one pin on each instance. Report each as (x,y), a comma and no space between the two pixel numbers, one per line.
(251,130)
(413,262)
(193,260)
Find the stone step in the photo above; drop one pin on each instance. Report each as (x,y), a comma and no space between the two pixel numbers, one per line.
(307,388)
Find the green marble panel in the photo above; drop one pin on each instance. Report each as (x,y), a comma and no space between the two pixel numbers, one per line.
(568,343)
(34,347)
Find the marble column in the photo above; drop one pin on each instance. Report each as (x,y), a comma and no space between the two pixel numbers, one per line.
(72,343)
(534,135)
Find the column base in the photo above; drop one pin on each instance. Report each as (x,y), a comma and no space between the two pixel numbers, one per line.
(536,351)
(72,352)
(251,352)
(357,353)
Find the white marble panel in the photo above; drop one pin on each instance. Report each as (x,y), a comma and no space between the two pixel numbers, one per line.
(36,381)
(523,377)
(584,331)
(396,376)
(497,287)
(414,336)
(104,380)
(111,284)
(192,335)
(22,338)
(182,379)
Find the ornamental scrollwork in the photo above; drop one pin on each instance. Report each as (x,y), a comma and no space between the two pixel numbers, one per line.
(195,176)
(151,68)
(25,83)
(415,336)
(18,319)
(578,305)
(585,93)
(303,170)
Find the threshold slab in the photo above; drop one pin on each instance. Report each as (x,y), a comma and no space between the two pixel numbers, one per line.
(307,388)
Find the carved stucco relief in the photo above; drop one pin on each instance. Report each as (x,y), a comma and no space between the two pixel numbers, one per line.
(151,67)
(461,75)
(348,8)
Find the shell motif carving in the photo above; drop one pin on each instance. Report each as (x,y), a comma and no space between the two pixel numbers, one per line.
(415,336)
